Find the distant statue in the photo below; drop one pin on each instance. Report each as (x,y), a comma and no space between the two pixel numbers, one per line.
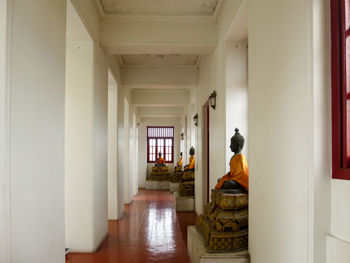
(160,162)
(180,163)
(238,176)
(191,162)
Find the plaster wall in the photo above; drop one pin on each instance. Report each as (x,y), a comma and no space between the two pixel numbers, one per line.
(294,129)
(4,134)
(112,148)
(212,77)
(127,170)
(90,18)
(338,242)
(121,151)
(100,133)
(89,15)
(143,167)
(36,130)
(236,54)
(79,146)
(134,155)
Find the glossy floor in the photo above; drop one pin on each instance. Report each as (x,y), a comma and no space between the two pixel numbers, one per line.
(150,231)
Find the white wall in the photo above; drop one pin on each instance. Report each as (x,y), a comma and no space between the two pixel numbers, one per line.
(127,166)
(236,54)
(4,135)
(338,241)
(134,155)
(100,112)
(79,181)
(89,15)
(112,148)
(142,144)
(121,151)
(212,77)
(36,138)
(86,141)
(289,128)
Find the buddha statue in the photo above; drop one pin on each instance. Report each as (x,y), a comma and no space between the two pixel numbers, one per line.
(160,172)
(191,164)
(224,223)
(186,187)
(238,176)
(176,177)
(160,162)
(180,163)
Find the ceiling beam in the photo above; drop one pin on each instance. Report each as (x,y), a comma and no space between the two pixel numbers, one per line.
(159,98)
(161,77)
(160,112)
(158,35)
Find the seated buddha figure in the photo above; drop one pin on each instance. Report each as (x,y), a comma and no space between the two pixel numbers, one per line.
(160,162)
(180,163)
(191,163)
(238,176)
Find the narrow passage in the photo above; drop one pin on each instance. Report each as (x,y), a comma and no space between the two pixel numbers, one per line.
(150,231)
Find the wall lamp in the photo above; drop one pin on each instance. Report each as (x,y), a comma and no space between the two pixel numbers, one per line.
(182,136)
(212,99)
(195,119)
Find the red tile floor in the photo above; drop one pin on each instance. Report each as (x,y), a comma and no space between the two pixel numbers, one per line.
(149,231)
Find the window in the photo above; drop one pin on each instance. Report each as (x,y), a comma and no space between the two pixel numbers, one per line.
(160,139)
(340,19)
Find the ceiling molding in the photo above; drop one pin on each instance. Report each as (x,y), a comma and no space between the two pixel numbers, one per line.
(200,8)
(158,60)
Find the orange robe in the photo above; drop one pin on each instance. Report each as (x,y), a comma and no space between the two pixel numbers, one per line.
(191,164)
(160,161)
(239,172)
(180,162)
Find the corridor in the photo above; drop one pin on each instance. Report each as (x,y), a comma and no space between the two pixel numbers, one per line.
(149,231)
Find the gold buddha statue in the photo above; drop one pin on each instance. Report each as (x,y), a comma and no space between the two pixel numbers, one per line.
(186,187)
(191,162)
(160,172)
(160,162)
(224,224)
(176,177)
(180,163)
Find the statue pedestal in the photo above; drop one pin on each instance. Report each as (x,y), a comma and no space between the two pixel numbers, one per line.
(174,187)
(157,185)
(183,203)
(198,252)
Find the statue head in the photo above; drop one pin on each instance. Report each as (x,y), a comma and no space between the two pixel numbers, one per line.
(192,151)
(160,155)
(180,154)
(237,142)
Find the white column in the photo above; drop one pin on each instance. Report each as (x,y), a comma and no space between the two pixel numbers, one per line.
(126,174)
(289,133)
(135,155)
(4,135)
(36,130)
(86,147)
(112,151)
(79,146)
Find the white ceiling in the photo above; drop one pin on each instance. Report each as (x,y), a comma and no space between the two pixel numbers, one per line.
(149,60)
(160,7)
